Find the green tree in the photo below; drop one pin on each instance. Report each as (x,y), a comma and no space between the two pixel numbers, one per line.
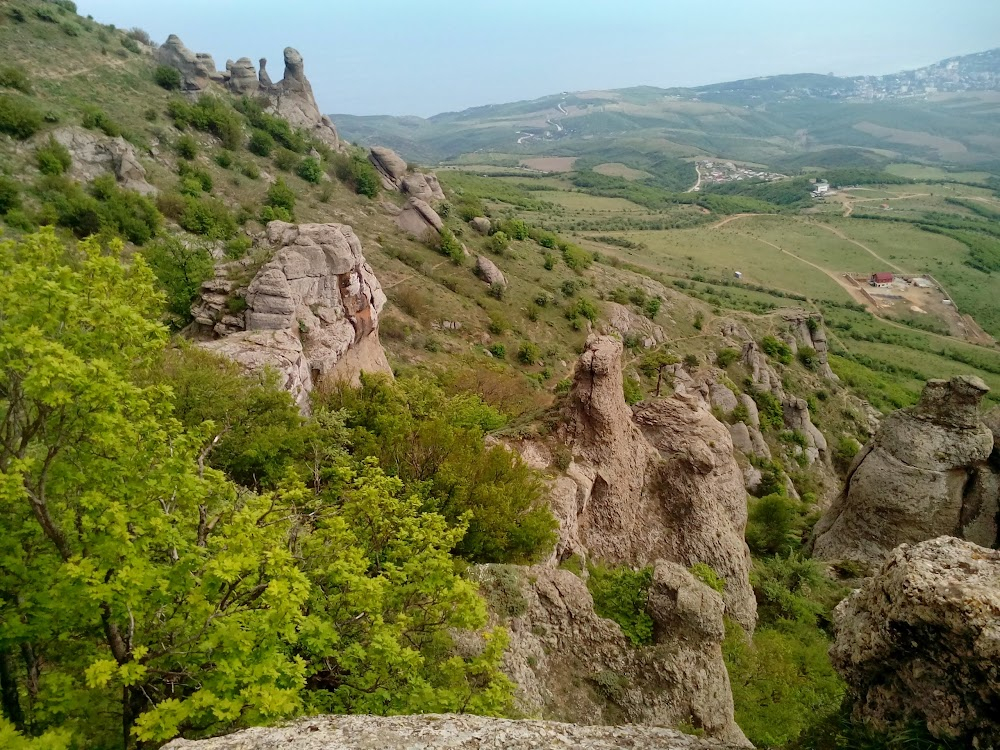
(279,195)
(654,363)
(180,268)
(310,170)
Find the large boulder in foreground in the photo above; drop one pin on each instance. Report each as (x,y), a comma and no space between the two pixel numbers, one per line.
(448,732)
(310,312)
(926,474)
(920,643)
(659,482)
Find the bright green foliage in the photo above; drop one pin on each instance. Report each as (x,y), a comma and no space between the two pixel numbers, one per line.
(261,143)
(727,356)
(583,308)
(516,229)
(775,349)
(126,560)
(447,244)
(278,128)
(807,356)
(11,739)
(576,257)
(210,115)
(53,158)
(771,413)
(774,525)
(180,268)
(652,307)
(631,390)
(208,217)
(279,195)
(795,588)
(97,119)
(18,118)
(167,77)
(355,170)
(499,242)
(105,208)
(310,170)
(707,575)
(10,194)
(782,683)
(435,443)
(621,594)
(528,353)
(186,147)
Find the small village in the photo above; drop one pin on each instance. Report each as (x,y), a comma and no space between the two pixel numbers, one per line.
(717,172)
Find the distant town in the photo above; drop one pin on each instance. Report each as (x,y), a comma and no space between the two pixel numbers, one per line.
(711,172)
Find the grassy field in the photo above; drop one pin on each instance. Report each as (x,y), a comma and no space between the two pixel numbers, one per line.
(924,172)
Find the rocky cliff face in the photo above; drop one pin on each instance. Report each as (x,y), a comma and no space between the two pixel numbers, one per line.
(926,474)
(658,484)
(291,98)
(572,664)
(920,642)
(310,312)
(445,733)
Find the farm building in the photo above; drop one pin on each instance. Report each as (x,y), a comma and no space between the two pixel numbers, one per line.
(881,279)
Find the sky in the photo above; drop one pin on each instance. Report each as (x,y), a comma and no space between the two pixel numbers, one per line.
(422,57)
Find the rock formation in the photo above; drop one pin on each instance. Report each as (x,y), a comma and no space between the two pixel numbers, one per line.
(423,186)
(489,272)
(310,312)
(658,484)
(920,643)
(291,98)
(627,324)
(925,474)
(418,218)
(481,224)
(448,732)
(95,154)
(807,330)
(396,176)
(571,664)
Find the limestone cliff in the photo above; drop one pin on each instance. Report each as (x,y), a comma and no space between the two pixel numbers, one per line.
(310,312)
(920,643)
(291,98)
(925,474)
(661,483)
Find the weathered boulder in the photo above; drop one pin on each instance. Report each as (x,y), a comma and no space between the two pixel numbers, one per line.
(807,330)
(481,224)
(418,218)
(925,474)
(489,272)
(243,77)
(661,483)
(920,643)
(447,732)
(797,418)
(197,69)
(423,186)
(627,324)
(722,397)
(390,165)
(571,664)
(310,312)
(95,154)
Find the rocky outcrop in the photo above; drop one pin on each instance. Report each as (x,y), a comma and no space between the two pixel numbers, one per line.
(423,186)
(807,331)
(628,325)
(926,474)
(481,224)
(489,272)
(920,643)
(310,313)
(291,98)
(571,664)
(95,154)
(418,218)
(448,732)
(661,483)
(390,165)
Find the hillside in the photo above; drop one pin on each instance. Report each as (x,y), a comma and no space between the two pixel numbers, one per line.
(763,120)
(291,427)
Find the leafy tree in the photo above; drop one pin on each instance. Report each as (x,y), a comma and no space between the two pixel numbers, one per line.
(774,525)
(279,195)
(775,349)
(654,363)
(180,268)
(168,77)
(261,143)
(310,170)
(620,594)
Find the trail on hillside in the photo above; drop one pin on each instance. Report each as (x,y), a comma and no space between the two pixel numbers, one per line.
(697,185)
(728,219)
(864,247)
(51,76)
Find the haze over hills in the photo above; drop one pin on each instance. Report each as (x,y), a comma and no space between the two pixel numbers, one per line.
(763,120)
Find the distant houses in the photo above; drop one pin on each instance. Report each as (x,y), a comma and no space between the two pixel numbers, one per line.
(881,279)
(820,189)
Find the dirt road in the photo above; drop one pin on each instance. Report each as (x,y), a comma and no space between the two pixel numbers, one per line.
(728,219)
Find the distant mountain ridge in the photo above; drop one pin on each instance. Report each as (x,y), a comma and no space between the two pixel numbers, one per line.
(940,113)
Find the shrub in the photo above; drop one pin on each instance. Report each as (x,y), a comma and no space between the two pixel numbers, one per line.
(18,219)
(10,195)
(14,77)
(53,158)
(499,242)
(279,195)
(576,257)
(171,204)
(46,14)
(139,35)
(652,307)
(516,229)
(251,170)
(549,262)
(632,390)
(279,129)
(202,178)
(180,268)
(498,350)
(18,118)
(105,207)
(771,413)
(774,525)
(209,115)
(186,147)
(498,324)
(497,290)
(95,118)
(356,171)
(691,361)
(528,353)
(310,170)
(500,585)
(447,244)
(224,159)
(584,308)
(286,160)
(261,143)
(727,356)
(778,350)
(807,356)
(707,575)
(621,594)
(131,45)
(167,77)
(275,213)
(845,451)
(208,217)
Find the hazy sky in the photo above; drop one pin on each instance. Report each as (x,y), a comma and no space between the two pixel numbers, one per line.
(427,56)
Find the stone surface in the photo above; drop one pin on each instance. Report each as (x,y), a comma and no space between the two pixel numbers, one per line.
(661,483)
(920,642)
(423,186)
(627,324)
(446,732)
(95,154)
(489,272)
(571,664)
(390,165)
(418,218)
(481,224)
(926,474)
(807,330)
(197,69)
(311,312)
(722,397)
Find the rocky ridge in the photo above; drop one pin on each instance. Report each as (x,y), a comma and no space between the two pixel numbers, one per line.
(446,732)
(927,473)
(920,642)
(310,312)
(291,98)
